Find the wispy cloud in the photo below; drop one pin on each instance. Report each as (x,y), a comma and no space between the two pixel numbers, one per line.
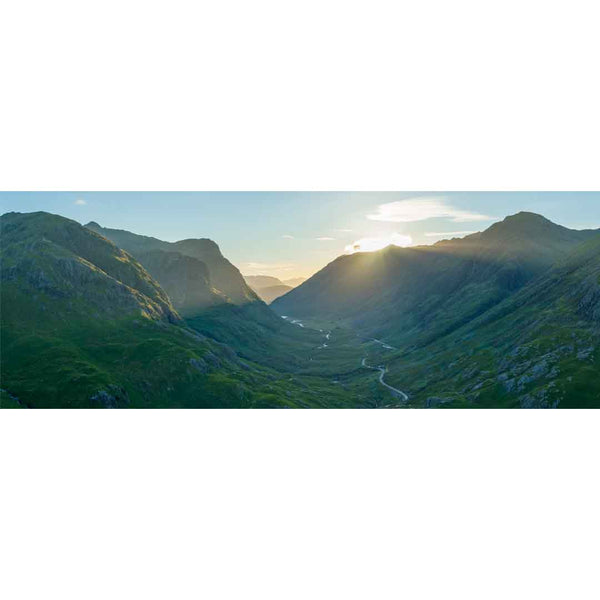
(371,244)
(259,268)
(421,209)
(344,230)
(448,233)
(288,237)
(325,239)
(80,202)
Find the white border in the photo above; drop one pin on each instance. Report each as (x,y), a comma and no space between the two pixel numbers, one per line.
(318,95)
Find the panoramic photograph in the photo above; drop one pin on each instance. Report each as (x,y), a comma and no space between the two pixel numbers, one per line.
(383,300)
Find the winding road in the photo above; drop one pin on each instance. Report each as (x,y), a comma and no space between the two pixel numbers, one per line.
(382,372)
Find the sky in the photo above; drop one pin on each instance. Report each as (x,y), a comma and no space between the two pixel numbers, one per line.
(295,234)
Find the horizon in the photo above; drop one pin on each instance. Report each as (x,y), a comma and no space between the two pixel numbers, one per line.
(291,235)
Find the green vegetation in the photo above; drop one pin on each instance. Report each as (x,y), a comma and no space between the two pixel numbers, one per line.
(494,320)
(84,325)
(204,275)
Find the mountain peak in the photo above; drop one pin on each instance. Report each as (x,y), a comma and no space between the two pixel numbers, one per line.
(527,217)
(527,226)
(93,224)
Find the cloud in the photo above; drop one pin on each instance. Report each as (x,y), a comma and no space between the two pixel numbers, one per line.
(344,230)
(259,268)
(371,244)
(325,239)
(287,237)
(80,202)
(449,233)
(421,209)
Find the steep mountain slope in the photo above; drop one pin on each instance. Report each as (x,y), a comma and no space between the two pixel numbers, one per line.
(57,259)
(186,280)
(268,288)
(413,296)
(191,271)
(223,280)
(247,326)
(84,325)
(538,348)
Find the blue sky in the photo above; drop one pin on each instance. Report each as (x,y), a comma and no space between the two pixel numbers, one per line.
(289,234)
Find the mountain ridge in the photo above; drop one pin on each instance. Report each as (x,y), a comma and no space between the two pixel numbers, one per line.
(222,281)
(416,294)
(84,325)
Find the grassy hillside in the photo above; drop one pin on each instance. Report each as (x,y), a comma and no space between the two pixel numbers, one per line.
(414,296)
(478,322)
(538,348)
(84,325)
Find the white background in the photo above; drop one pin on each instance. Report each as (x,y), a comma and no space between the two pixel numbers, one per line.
(307,95)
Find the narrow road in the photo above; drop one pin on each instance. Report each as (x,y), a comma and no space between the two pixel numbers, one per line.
(327,337)
(386,346)
(382,372)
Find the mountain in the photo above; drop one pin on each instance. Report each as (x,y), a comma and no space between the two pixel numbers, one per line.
(268,288)
(185,279)
(294,282)
(509,317)
(215,300)
(536,349)
(271,293)
(413,296)
(209,279)
(84,325)
(261,281)
(74,272)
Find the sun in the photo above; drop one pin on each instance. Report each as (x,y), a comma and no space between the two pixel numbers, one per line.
(372,244)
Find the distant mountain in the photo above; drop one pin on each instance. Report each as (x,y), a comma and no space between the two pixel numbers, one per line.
(271,293)
(261,281)
(207,280)
(295,282)
(413,296)
(268,288)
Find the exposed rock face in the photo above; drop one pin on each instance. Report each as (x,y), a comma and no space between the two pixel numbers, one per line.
(57,258)
(113,397)
(185,279)
(222,281)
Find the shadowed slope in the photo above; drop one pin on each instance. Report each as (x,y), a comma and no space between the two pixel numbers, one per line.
(415,295)
(538,348)
(223,280)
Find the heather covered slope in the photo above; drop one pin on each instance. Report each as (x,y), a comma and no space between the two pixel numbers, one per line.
(64,270)
(413,296)
(223,281)
(84,325)
(538,348)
